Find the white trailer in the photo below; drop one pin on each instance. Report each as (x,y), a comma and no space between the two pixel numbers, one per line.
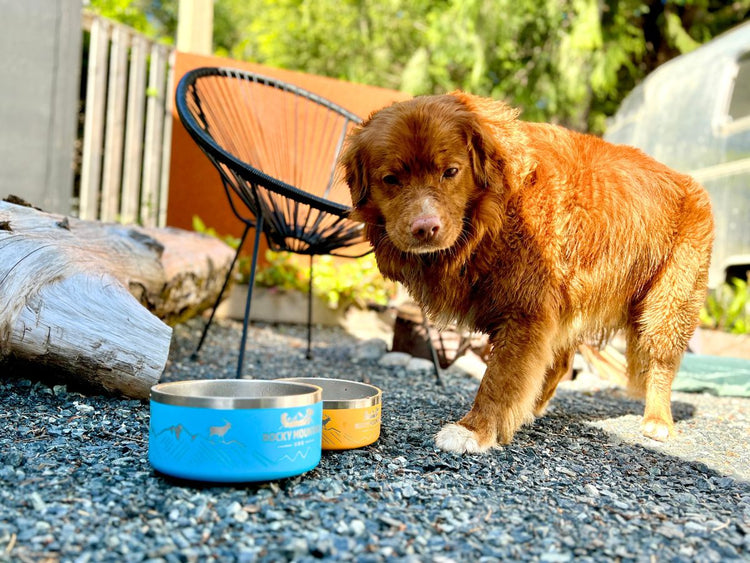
(693,114)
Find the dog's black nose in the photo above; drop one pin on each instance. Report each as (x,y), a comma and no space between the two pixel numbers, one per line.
(425,228)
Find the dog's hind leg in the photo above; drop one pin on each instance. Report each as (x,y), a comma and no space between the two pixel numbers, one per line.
(636,358)
(658,333)
(559,368)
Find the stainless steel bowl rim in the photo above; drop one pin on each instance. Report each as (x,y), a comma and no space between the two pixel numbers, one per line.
(229,394)
(371,395)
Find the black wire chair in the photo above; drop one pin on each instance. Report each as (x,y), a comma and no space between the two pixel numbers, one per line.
(275,147)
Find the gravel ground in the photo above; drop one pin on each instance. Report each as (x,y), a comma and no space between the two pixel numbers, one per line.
(580,483)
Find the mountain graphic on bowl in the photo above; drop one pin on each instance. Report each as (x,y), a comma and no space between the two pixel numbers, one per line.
(300,419)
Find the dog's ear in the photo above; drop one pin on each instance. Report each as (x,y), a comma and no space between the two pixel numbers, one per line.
(492,134)
(482,151)
(352,161)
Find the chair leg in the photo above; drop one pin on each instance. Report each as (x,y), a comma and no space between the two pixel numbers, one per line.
(194,355)
(433,352)
(309,311)
(251,283)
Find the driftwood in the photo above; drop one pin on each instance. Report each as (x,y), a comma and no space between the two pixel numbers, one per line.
(88,297)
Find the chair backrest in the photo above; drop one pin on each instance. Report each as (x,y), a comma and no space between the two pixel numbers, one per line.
(276,147)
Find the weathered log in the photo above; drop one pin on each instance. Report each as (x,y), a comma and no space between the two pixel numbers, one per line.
(78,294)
(193,270)
(92,330)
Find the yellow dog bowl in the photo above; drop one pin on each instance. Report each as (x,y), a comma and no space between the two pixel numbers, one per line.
(351,412)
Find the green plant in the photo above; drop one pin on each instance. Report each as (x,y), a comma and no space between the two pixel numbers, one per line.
(727,308)
(339,283)
(355,282)
(282,272)
(200,227)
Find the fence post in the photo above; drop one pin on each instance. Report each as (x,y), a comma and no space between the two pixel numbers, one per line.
(115,126)
(152,148)
(195,23)
(93,128)
(133,164)
(127,126)
(166,151)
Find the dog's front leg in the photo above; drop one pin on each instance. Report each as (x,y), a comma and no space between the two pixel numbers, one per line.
(521,353)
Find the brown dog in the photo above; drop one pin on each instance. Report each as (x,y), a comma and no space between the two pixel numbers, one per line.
(540,237)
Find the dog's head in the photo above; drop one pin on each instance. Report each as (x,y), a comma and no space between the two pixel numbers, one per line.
(418,168)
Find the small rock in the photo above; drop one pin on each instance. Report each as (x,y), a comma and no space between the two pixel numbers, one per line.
(323,547)
(565,471)
(471,364)
(357,527)
(395,359)
(369,350)
(408,491)
(591,490)
(686,498)
(620,505)
(554,557)
(419,365)
(231,509)
(296,548)
(671,531)
(273,515)
(695,528)
(37,502)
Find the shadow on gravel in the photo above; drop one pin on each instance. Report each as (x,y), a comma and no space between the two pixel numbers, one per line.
(600,405)
(247,486)
(562,440)
(567,406)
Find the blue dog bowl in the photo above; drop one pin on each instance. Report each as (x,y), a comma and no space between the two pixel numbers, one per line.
(235,430)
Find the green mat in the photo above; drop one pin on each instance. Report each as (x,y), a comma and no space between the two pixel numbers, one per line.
(726,377)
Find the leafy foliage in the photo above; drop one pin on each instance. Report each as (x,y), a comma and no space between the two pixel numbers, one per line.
(728,308)
(155,18)
(339,283)
(565,61)
(354,282)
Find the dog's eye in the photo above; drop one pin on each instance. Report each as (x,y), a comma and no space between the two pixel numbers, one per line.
(391,180)
(450,173)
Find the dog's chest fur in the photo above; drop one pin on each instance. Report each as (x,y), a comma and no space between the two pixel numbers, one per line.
(474,293)
(506,276)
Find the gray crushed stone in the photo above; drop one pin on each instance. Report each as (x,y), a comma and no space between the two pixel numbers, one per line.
(578,484)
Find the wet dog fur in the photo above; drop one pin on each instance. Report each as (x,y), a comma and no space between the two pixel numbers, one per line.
(539,236)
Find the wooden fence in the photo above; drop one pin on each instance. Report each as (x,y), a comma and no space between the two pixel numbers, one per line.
(127,127)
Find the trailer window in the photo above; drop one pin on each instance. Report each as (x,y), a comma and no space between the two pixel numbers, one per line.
(739,105)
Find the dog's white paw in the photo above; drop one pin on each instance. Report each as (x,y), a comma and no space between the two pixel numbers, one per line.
(459,439)
(656,430)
